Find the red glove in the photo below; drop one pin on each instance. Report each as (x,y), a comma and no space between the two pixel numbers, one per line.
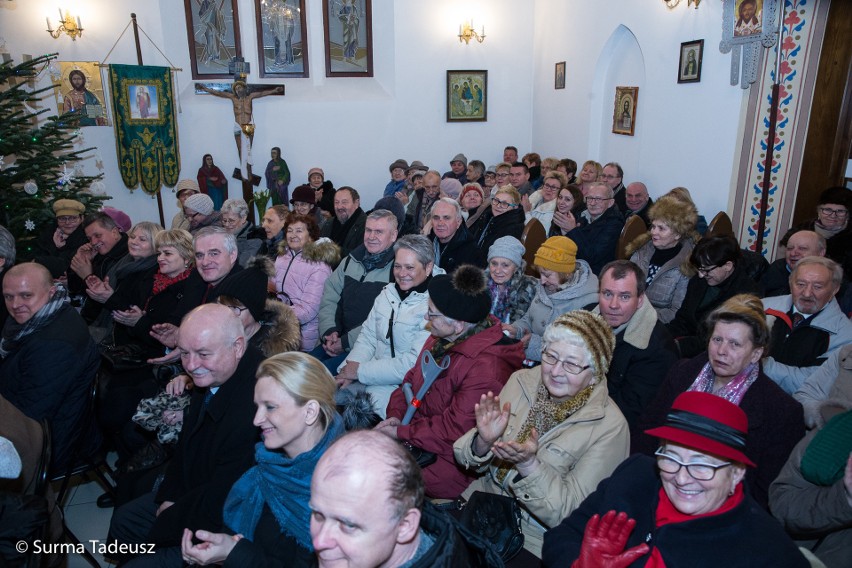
(604,541)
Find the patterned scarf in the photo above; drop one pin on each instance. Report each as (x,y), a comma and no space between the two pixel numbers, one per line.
(161,281)
(734,391)
(441,345)
(500,306)
(373,261)
(14,332)
(282,483)
(545,414)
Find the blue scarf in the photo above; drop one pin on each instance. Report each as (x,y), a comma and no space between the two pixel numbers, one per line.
(282,483)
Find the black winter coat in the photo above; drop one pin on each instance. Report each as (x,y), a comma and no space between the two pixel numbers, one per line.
(270,548)
(596,241)
(635,375)
(216,446)
(776,279)
(700,300)
(460,250)
(49,376)
(744,537)
(489,228)
(776,423)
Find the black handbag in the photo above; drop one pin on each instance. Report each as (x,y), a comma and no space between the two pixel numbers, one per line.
(421,456)
(118,358)
(497,520)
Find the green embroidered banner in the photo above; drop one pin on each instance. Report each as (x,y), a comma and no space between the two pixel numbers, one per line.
(145,126)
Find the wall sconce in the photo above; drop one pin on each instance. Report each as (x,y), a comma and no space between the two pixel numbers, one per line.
(66,25)
(466,33)
(673,3)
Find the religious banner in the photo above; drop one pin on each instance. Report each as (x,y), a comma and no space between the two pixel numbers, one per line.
(145,126)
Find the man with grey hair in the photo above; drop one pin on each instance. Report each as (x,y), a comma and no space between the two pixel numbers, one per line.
(613,176)
(776,279)
(216,256)
(598,228)
(450,238)
(352,288)
(216,443)
(808,324)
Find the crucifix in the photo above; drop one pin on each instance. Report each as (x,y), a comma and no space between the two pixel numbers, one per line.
(241,96)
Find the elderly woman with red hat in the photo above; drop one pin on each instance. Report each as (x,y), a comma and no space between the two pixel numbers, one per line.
(686,506)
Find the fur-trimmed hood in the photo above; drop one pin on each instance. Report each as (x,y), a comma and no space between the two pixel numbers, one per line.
(322,250)
(686,267)
(280,329)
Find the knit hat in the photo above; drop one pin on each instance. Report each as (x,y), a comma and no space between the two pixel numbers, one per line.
(707,423)
(248,286)
(305,194)
(836,196)
(200,203)
(509,248)
(62,207)
(122,219)
(451,187)
(187,185)
(824,460)
(394,205)
(398,163)
(462,295)
(558,254)
(316,171)
(472,187)
(417,165)
(595,333)
(491,170)
(459,158)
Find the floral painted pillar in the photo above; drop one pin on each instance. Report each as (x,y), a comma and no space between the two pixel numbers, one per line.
(796,58)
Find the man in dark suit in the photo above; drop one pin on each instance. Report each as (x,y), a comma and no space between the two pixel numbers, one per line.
(216,444)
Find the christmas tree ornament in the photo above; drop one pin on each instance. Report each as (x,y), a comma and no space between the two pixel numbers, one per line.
(29,225)
(30,187)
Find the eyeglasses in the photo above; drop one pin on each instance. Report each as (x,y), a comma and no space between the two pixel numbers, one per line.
(238,310)
(699,471)
(706,270)
(828,212)
(553,187)
(568,366)
(228,222)
(190,215)
(500,204)
(68,219)
(502,174)
(432,315)
(597,199)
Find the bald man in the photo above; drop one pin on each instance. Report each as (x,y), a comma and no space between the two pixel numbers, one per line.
(368,510)
(216,443)
(638,201)
(776,279)
(48,358)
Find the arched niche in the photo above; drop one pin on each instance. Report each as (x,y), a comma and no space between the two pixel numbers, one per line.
(620,64)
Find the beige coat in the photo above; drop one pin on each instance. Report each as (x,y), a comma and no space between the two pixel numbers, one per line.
(575,456)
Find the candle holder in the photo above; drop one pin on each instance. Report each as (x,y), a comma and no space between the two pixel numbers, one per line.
(67,25)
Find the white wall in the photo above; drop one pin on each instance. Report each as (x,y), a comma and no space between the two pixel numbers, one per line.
(354,127)
(686,134)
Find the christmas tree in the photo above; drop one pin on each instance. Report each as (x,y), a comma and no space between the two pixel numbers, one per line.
(37,156)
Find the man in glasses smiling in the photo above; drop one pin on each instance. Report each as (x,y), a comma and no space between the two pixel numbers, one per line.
(598,227)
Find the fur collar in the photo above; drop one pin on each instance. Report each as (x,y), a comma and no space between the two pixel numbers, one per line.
(322,250)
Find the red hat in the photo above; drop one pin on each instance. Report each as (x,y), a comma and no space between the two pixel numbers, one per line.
(708,423)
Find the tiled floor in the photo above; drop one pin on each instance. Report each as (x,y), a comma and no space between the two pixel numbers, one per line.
(86,520)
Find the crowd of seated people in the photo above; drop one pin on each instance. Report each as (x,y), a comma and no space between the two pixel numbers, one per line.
(530,371)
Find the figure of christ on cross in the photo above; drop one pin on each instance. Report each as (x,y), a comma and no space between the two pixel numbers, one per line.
(241,96)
